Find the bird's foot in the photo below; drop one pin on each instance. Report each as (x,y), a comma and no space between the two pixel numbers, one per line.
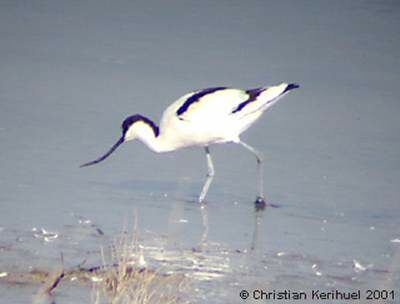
(202,202)
(260,204)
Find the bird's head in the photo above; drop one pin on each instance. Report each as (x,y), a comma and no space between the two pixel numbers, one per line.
(133,127)
(137,126)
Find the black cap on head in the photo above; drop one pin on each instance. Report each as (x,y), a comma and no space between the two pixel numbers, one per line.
(130,120)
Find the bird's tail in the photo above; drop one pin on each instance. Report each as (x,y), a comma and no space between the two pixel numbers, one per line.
(272,94)
(268,96)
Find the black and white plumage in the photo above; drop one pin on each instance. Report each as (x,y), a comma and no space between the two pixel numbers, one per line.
(201,118)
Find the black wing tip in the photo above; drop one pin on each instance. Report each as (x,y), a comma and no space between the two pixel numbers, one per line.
(292,86)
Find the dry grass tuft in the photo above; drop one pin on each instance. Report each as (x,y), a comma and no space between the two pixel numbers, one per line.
(125,279)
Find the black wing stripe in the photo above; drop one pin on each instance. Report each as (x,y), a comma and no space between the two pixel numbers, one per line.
(196,97)
(253,94)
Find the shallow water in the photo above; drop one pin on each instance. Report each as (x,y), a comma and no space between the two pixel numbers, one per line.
(70,72)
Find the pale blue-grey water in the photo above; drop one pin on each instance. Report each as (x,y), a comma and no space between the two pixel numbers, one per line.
(71,71)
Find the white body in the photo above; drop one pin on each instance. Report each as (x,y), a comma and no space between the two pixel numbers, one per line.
(208,120)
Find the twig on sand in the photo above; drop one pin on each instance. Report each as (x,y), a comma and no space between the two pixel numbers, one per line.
(58,278)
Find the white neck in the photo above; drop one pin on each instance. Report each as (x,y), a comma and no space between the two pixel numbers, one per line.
(146,131)
(155,143)
(152,142)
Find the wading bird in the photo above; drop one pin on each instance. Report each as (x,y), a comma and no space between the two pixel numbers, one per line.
(201,118)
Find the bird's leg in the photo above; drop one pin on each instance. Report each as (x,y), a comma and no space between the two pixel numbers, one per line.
(260,201)
(210,175)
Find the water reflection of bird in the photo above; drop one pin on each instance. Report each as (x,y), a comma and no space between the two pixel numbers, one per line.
(209,116)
